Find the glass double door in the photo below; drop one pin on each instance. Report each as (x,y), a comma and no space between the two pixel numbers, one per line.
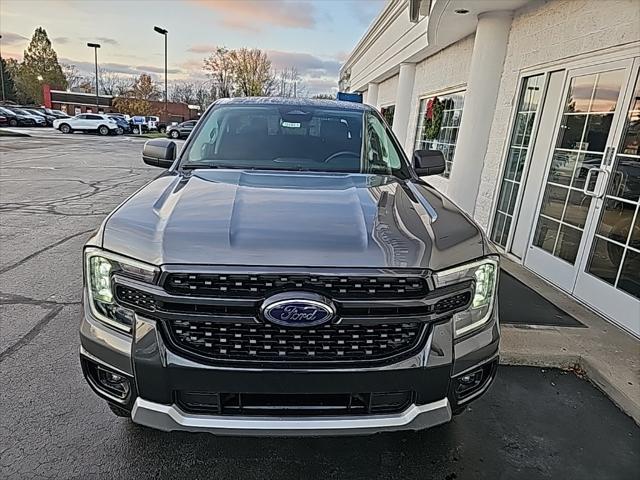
(586,237)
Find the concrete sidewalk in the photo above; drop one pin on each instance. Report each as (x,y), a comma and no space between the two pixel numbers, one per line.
(609,356)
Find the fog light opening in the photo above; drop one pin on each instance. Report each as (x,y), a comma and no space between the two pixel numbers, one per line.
(469,382)
(112,382)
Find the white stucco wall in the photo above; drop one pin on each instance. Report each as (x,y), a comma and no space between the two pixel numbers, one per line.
(544,32)
(387,91)
(444,71)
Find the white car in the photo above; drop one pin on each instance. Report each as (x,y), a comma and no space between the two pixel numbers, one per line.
(87,122)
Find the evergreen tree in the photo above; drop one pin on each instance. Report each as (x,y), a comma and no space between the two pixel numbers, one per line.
(8,69)
(40,66)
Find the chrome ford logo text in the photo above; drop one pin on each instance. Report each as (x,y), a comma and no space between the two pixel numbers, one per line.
(287,310)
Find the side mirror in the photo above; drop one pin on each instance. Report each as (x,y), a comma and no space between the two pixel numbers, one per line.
(428,162)
(159,152)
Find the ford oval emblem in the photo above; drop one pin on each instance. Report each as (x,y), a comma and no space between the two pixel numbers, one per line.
(298,309)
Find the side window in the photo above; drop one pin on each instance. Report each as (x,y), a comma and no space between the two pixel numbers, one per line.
(82,117)
(94,117)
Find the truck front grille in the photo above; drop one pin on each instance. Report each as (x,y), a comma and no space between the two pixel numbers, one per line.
(276,345)
(261,285)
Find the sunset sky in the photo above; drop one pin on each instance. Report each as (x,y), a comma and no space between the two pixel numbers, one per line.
(314,36)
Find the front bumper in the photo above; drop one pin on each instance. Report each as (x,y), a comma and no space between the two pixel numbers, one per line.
(171,417)
(157,375)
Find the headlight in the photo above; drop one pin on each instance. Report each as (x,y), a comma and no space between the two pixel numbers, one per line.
(484,274)
(100,266)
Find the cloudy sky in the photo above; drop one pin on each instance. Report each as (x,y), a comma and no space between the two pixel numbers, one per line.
(312,35)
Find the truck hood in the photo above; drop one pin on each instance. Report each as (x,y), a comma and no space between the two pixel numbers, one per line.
(260,218)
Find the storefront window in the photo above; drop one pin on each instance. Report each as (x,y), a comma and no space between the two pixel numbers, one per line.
(527,109)
(387,113)
(438,125)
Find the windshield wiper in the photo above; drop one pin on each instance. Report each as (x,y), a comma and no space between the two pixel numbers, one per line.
(194,166)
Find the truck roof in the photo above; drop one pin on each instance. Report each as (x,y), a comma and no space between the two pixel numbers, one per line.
(301,102)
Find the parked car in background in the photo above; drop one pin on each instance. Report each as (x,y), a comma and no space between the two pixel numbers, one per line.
(47,118)
(87,122)
(123,125)
(60,114)
(50,112)
(17,119)
(38,120)
(182,130)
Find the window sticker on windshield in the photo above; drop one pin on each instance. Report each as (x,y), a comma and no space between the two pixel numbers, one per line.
(291,124)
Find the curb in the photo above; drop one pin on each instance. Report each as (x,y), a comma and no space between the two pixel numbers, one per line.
(10,133)
(599,379)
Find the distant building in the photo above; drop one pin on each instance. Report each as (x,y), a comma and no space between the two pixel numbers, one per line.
(74,103)
(536,107)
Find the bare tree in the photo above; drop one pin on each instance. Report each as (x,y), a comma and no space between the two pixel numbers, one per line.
(73,76)
(220,67)
(112,83)
(289,83)
(183,92)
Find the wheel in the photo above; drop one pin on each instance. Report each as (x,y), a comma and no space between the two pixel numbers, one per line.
(118,411)
(103,130)
(64,128)
(175,134)
(13,122)
(135,130)
(162,129)
(119,131)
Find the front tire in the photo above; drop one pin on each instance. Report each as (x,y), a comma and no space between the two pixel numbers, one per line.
(175,134)
(64,128)
(162,129)
(13,122)
(119,131)
(103,130)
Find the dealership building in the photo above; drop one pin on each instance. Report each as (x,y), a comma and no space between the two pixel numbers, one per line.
(536,107)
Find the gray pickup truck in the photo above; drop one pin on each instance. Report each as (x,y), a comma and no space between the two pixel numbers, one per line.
(289,273)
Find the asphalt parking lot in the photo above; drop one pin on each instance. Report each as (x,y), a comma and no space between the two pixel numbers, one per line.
(54,190)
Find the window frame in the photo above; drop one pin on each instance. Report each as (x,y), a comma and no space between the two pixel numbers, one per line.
(504,155)
(438,93)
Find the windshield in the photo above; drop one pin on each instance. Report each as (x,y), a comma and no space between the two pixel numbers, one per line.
(299,138)
(21,112)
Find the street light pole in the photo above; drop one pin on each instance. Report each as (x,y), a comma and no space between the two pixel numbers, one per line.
(164,31)
(95,47)
(2,74)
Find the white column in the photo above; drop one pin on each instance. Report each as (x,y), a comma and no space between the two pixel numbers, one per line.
(404,96)
(485,73)
(372,94)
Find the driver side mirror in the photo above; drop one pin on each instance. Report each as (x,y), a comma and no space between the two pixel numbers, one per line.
(159,152)
(428,162)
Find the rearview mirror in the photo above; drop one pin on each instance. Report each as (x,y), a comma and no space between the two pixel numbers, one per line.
(428,162)
(159,152)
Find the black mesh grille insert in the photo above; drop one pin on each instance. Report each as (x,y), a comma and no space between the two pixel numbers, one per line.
(258,286)
(294,404)
(274,344)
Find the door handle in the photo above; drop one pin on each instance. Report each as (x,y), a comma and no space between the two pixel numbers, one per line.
(587,181)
